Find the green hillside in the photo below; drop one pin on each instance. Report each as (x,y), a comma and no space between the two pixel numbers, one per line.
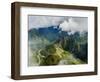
(54,55)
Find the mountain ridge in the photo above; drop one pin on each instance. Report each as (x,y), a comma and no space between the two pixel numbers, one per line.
(75,43)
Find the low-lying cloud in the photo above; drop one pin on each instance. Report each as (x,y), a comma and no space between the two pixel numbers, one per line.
(74,25)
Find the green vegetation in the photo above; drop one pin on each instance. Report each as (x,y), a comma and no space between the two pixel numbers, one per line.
(53,55)
(51,46)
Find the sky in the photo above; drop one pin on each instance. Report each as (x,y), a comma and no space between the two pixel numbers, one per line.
(66,23)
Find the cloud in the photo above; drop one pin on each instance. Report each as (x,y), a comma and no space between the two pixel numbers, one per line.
(44,21)
(75,24)
(68,23)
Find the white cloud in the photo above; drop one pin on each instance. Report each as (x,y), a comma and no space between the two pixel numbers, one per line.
(71,24)
(74,24)
(44,21)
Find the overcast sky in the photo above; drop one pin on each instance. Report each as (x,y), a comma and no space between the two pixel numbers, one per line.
(72,24)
